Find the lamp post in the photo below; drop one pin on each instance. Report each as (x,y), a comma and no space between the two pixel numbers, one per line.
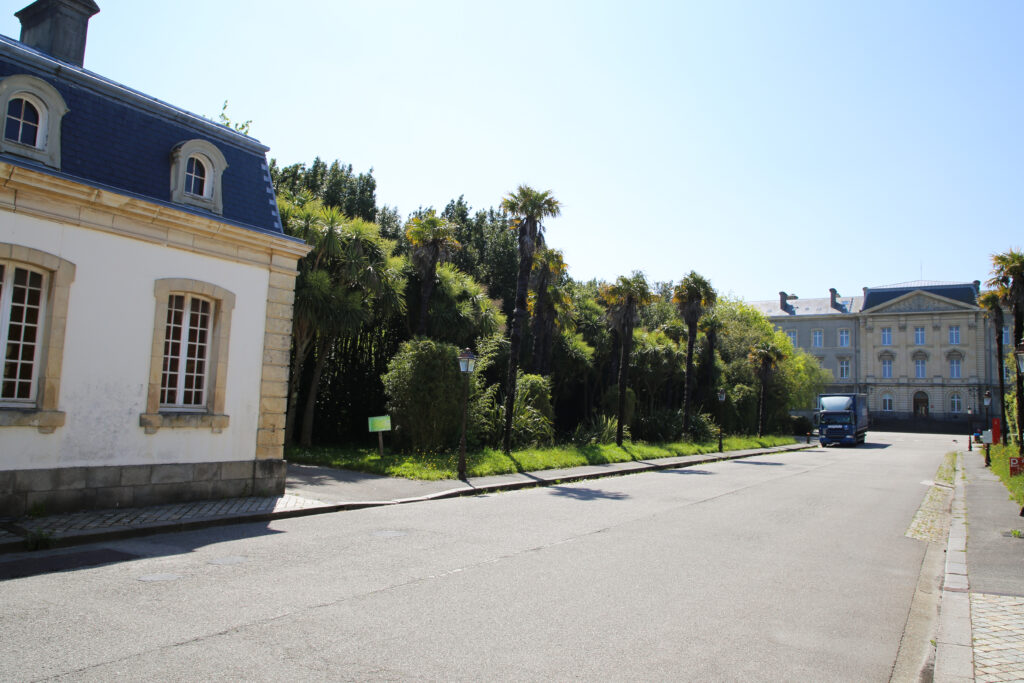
(1019,354)
(721,402)
(467,363)
(987,398)
(970,430)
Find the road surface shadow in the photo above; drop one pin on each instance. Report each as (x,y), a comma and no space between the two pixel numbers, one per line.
(586,494)
(686,470)
(753,462)
(159,544)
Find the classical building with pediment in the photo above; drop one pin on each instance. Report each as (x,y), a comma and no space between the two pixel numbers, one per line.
(924,352)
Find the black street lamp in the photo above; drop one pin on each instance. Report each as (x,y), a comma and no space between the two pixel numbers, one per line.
(467,363)
(721,417)
(970,429)
(988,401)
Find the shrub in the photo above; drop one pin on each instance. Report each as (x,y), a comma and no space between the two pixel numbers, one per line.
(425,391)
(532,414)
(703,427)
(601,429)
(661,426)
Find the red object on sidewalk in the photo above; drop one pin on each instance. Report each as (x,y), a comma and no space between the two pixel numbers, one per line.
(996,432)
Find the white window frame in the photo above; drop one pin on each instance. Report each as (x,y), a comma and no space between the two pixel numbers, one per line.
(919,337)
(887,403)
(954,334)
(886,336)
(920,368)
(956,405)
(7,287)
(817,338)
(190,352)
(887,368)
(211,413)
(212,198)
(844,337)
(954,368)
(792,337)
(42,411)
(844,369)
(51,108)
(1006,334)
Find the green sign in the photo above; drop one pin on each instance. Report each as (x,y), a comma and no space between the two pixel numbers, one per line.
(380,424)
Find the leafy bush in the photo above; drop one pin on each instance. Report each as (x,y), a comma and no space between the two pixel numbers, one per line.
(532,414)
(661,426)
(425,391)
(703,428)
(601,429)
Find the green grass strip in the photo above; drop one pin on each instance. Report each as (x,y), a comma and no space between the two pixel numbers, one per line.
(1001,466)
(487,462)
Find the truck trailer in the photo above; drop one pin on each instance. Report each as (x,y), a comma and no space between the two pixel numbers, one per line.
(842,419)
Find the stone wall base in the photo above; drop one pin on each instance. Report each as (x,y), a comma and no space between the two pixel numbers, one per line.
(69,489)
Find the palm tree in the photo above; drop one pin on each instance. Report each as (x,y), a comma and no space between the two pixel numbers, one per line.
(992,301)
(766,357)
(432,239)
(1008,275)
(624,299)
(528,208)
(549,304)
(693,296)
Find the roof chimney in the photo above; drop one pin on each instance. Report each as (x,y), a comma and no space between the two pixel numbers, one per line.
(835,300)
(57,27)
(784,300)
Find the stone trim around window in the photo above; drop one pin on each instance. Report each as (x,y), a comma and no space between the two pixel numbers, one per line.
(44,416)
(212,199)
(47,148)
(213,417)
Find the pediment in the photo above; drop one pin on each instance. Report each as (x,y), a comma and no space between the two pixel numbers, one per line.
(920,302)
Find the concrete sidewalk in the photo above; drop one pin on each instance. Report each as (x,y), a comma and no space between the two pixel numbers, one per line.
(981,618)
(310,490)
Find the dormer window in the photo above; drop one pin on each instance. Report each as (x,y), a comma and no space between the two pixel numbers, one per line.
(23,121)
(196,168)
(32,111)
(195,177)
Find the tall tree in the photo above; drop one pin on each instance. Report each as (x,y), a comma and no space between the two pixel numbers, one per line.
(432,239)
(528,207)
(549,304)
(624,299)
(1008,274)
(766,357)
(992,301)
(693,296)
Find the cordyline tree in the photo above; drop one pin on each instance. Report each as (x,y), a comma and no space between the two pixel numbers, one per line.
(1008,279)
(528,208)
(624,299)
(432,240)
(693,296)
(992,301)
(765,357)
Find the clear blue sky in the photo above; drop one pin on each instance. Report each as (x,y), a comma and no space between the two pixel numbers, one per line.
(790,145)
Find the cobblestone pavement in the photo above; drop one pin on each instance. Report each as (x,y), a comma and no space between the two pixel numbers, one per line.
(930,524)
(998,622)
(133,518)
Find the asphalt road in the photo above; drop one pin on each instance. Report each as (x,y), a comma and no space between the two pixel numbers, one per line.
(781,567)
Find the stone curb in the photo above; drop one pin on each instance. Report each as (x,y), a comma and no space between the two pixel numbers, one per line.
(514,482)
(954,643)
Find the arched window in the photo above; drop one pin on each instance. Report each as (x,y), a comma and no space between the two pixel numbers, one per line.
(32,111)
(195,177)
(887,403)
(196,168)
(23,121)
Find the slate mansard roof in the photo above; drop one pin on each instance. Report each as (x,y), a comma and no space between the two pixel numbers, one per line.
(805,307)
(118,139)
(964,292)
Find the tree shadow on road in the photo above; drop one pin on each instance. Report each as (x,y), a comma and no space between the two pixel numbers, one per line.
(586,493)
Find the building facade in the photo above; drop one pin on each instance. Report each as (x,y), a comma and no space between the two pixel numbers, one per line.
(923,352)
(146,289)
